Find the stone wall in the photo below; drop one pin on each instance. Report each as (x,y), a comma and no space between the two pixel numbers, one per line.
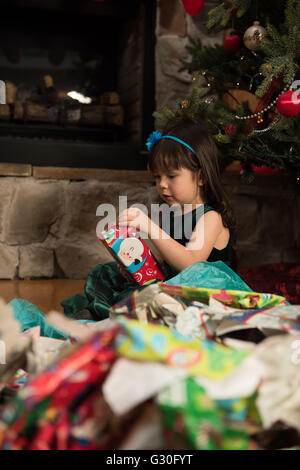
(267,214)
(48,225)
(48,218)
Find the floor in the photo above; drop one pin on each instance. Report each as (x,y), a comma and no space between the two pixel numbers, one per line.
(45,294)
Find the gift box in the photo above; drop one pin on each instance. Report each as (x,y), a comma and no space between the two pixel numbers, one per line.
(130,250)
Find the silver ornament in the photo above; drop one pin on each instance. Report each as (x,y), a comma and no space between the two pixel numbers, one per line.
(254,35)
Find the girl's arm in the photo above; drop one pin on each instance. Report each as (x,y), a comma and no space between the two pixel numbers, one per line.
(176,255)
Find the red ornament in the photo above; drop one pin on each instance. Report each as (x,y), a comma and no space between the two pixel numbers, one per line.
(232,44)
(233,12)
(264,170)
(288,104)
(231,129)
(193,7)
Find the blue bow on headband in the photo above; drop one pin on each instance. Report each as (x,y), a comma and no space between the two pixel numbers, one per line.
(152,139)
(156,136)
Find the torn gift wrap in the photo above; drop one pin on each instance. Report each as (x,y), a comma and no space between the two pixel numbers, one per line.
(193,420)
(150,304)
(232,298)
(143,381)
(61,408)
(151,342)
(216,319)
(278,359)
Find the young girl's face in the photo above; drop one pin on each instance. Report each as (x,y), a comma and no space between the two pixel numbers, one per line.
(178,186)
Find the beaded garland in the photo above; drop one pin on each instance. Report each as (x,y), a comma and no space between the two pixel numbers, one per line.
(267,108)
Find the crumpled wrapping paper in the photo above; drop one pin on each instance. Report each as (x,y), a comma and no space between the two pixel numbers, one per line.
(12,344)
(278,359)
(150,304)
(168,332)
(216,319)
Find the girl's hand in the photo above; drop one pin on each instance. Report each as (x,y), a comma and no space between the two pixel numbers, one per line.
(134,217)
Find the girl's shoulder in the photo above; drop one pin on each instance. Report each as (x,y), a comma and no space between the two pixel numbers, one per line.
(214,223)
(208,208)
(212,219)
(202,210)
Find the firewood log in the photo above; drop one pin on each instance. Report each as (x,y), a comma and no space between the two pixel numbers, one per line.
(92,115)
(110,97)
(11,91)
(114,115)
(18,111)
(4,112)
(36,112)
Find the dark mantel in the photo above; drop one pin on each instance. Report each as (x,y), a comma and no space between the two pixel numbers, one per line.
(115,8)
(67,153)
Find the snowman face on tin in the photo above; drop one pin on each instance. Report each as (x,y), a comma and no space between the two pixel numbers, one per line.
(131,249)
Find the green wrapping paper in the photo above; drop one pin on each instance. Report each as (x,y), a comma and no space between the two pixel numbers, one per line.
(151,342)
(192,420)
(233,298)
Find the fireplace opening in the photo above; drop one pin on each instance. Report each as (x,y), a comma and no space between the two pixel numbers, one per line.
(79,82)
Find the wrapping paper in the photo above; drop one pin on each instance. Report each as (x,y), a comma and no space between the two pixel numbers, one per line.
(146,380)
(216,274)
(149,304)
(158,343)
(163,343)
(63,407)
(216,319)
(233,298)
(195,421)
(278,359)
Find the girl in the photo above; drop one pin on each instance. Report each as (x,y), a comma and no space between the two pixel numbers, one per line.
(184,161)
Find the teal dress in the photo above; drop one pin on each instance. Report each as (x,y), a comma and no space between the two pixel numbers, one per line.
(105,285)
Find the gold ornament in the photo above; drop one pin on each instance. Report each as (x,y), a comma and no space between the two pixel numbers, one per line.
(185,104)
(254,35)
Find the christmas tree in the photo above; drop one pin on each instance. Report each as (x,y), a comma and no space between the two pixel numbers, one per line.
(248,89)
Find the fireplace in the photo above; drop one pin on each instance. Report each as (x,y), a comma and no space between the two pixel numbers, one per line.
(96,48)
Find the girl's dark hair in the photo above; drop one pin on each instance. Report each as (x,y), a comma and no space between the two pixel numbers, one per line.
(168,154)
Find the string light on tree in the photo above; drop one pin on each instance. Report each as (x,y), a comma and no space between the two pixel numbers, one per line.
(185,104)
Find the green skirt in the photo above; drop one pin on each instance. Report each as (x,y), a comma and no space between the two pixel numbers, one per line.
(104,287)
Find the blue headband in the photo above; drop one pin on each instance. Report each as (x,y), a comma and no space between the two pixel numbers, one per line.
(156,136)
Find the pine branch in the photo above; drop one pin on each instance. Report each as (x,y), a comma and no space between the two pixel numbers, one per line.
(279,55)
